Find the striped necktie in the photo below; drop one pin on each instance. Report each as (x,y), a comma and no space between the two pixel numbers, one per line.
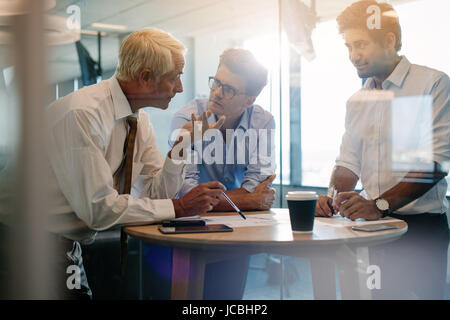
(126,173)
(129,150)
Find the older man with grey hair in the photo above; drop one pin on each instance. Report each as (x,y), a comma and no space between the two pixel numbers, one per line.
(106,168)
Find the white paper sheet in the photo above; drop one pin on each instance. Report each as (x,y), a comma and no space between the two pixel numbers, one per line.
(253,220)
(340,222)
(259,220)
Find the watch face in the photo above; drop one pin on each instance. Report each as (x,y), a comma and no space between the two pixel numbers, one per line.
(382,204)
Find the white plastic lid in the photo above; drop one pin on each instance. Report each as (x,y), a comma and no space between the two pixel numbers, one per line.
(301,195)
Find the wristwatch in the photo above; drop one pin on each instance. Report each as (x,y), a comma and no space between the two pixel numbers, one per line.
(383,206)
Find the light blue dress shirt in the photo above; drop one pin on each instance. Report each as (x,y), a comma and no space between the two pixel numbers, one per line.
(233,175)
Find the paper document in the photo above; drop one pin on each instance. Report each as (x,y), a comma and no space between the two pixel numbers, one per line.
(338,221)
(253,220)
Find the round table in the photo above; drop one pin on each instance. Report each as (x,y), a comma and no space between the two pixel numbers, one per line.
(332,241)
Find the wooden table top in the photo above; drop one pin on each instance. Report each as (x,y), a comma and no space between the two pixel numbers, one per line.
(326,231)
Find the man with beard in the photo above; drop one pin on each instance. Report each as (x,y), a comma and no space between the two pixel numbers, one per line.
(415,265)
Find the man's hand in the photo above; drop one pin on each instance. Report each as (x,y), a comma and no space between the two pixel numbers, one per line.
(353,206)
(202,120)
(324,207)
(200,199)
(264,196)
(189,129)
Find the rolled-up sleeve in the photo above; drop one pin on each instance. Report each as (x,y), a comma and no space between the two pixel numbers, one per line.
(348,154)
(76,152)
(159,178)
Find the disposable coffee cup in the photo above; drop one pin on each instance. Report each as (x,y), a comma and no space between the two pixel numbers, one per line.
(302,206)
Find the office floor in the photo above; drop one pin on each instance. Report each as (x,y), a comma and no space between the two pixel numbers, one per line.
(263,280)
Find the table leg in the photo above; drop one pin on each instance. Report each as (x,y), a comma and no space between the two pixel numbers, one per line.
(352,266)
(282,278)
(323,278)
(363,260)
(140,268)
(188,272)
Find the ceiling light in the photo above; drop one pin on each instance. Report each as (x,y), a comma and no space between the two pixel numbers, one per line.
(108,26)
(92,32)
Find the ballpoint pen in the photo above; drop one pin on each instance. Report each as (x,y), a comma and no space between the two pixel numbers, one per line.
(233,205)
(332,193)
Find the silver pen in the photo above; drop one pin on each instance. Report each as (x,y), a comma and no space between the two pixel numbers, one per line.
(233,205)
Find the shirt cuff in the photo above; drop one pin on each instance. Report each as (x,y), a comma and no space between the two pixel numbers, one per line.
(164,209)
(250,186)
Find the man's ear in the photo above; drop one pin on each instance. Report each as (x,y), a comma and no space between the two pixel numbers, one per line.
(146,79)
(250,100)
(389,41)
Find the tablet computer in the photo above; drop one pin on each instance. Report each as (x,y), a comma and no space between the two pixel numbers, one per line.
(184,223)
(196,229)
(375,227)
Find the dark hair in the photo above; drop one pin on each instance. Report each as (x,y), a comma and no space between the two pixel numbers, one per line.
(355,17)
(243,63)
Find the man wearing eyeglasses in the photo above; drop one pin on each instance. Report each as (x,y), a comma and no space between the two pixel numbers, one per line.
(238,81)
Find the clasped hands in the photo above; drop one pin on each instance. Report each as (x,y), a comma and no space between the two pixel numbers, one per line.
(350,205)
(264,196)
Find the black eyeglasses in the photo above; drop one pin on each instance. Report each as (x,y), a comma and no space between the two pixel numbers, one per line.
(227,91)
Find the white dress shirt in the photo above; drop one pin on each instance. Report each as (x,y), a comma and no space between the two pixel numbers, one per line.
(87,131)
(404,127)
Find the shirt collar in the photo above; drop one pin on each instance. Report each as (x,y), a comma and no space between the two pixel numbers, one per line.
(121,105)
(242,121)
(397,77)
(399,74)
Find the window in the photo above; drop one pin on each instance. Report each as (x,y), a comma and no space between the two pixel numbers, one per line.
(268,54)
(327,82)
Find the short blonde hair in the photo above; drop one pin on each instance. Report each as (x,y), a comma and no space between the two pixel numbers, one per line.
(148,48)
